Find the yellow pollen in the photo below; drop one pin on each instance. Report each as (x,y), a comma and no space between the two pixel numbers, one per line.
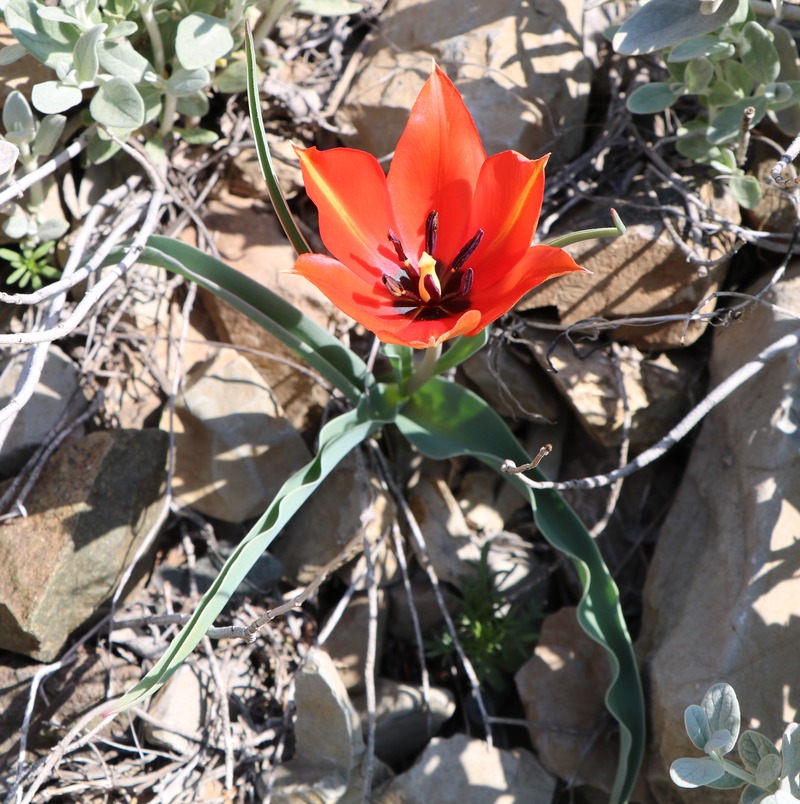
(427,267)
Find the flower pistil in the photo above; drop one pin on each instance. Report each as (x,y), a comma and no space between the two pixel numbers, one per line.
(431,289)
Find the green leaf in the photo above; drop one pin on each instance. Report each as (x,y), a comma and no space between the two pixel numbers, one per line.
(462,349)
(753,747)
(737,75)
(51,42)
(122,60)
(652,98)
(752,795)
(50,130)
(118,104)
(699,73)
(708,46)
(337,438)
(264,156)
(197,136)
(443,420)
(689,772)
(196,105)
(11,53)
(759,56)
(233,78)
(85,57)
(746,190)
(18,116)
(725,127)
(9,153)
(722,94)
(314,344)
(768,770)
(663,23)
(697,148)
(188,82)
(790,751)
(696,723)
(201,39)
(722,710)
(53,97)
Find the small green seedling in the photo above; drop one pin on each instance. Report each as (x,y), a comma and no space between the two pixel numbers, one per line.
(30,265)
(769,776)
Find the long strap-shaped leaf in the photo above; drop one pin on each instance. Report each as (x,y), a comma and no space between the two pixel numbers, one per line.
(444,420)
(315,345)
(339,437)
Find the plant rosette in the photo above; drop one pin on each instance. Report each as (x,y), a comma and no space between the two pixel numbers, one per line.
(431,254)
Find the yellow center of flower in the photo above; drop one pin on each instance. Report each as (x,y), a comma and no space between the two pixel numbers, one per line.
(427,267)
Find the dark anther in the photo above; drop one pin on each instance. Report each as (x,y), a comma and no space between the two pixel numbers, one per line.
(431,230)
(401,255)
(393,286)
(466,282)
(467,251)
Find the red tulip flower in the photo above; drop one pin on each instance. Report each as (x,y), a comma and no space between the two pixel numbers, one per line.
(442,245)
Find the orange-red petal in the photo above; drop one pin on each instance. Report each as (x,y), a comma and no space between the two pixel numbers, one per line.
(369,303)
(537,265)
(435,167)
(349,190)
(506,206)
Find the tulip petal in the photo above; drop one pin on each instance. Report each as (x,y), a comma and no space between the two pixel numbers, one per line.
(537,265)
(506,206)
(369,303)
(424,334)
(435,167)
(349,189)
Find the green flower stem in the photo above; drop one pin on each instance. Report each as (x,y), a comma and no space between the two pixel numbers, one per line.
(425,370)
(36,191)
(151,26)
(168,113)
(591,234)
(736,770)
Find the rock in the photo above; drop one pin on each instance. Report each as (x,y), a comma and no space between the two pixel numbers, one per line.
(562,688)
(244,173)
(250,239)
(642,273)
(57,393)
(775,212)
(328,734)
(521,71)
(400,623)
(452,547)
(459,770)
(93,504)
(179,709)
(63,697)
(347,643)
(656,389)
(512,383)
(487,500)
(403,720)
(722,598)
(449,541)
(234,447)
(347,505)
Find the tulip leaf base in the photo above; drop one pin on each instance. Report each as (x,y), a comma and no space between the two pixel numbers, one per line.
(441,420)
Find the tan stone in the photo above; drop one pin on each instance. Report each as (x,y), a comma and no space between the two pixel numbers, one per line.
(562,687)
(520,68)
(93,504)
(655,389)
(642,273)
(722,599)
(234,448)
(250,239)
